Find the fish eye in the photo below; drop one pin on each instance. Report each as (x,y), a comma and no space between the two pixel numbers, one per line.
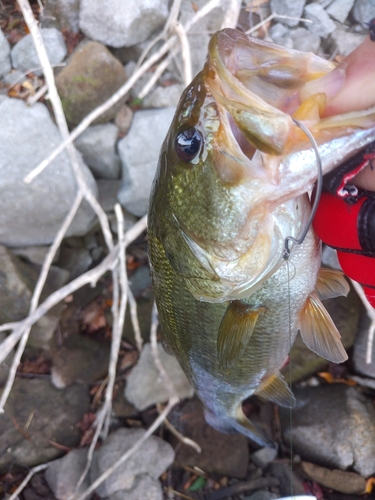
(188,144)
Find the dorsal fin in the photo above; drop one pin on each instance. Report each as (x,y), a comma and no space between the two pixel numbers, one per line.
(331,283)
(274,388)
(319,332)
(235,331)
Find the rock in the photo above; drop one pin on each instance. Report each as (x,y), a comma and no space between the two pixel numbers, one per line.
(146,488)
(164,97)
(318,438)
(63,474)
(339,9)
(360,348)
(292,8)
(5,65)
(112,25)
(140,280)
(5,365)
(123,119)
(61,14)
(264,456)
(280,35)
(152,458)
(25,58)
(364,11)
(223,454)
(345,42)
(262,495)
(108,189)
(79,359)
(329,258)
(14,77)
(98,147)
(35,254)
(75,260)
(92,75)
(345,314)
(290,483)
(139,153)
(322,24)
(304,40)
(344,482)
(27,136)
(53,415)
(144,385)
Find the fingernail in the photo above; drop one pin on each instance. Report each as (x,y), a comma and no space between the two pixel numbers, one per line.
(330,84)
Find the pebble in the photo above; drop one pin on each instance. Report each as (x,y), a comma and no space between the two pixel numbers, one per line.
(364,11)
(264,456)
(145,387)
(164,97)
(105,22)
(63,474)
(27,136)
(92,75)
(5,65)
(280,35)
(25,58)
(288,479)
(35,254)
(123,119)
(322,24)
(98,147)
(152,458)
(54,416)
(318,438)
(139,153)
(61,14)
(292,8)
(344,42)
(108,189)
(145,488)
(304,40)
(339,9)
(75,260)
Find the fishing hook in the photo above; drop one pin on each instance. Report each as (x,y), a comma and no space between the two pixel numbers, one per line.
(319,186)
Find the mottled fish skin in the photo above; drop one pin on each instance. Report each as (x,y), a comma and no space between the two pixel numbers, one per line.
(230,306)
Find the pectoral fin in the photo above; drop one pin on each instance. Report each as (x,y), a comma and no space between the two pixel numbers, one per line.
(235,331)
(274,388)
(319,332)
(243,425)
(331,283)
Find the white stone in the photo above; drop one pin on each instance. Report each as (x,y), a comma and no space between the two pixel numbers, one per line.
(322,24)
(5,65)
(291,8)
(339,9)
(63,474)
(145,488)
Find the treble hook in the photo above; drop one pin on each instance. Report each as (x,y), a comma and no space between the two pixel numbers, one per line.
(319,186)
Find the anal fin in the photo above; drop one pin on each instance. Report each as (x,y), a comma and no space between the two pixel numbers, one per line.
(274,388)
(319,332)
(235,331)
(331,283)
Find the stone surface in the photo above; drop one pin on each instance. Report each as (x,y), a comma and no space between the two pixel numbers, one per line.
(35,254)
(224,454)
(116,24)
(140,280)
(63,474)
(262,495)
(344,42)
(264,457)
(27,136)
(79,359)
(360,348)
(61,14)
(145,488)
(322,24)
(364,11)
(164,97)
(98,147)
(75,260)
(288,479)
(123,119)
(333,426)
(55,415)
(339,9)
(342,481)
(144,385)
(304,40)
(280,35)
(292,8)
(108,189)
(92,75)
(25,58)
(5,65)
(152,458)
(5,365)
(139,153)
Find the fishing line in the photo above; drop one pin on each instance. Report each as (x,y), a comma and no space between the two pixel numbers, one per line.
(319,186)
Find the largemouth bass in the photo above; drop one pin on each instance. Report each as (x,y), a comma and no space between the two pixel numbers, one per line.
(231,185)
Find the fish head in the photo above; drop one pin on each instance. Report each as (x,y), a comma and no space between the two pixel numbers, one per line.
(230,178)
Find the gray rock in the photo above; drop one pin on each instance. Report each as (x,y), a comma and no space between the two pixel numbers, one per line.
(290,482)
(144,385)
(163,97)
(55,415)
(108,189)
(360,348)
(329,258)
(292,8)
(339,9)
(63,474)
(139,153)
(5,65)
(35,254)
(364,11)
(145,488)
(119,26)
(333,425)
(27,136)
(140,280)
(97,145)
(25,58)
(75,260)
(14,77)
(262,495)
(123,119)
(91,76)
(345,42)
(61,14)
(152,458)
(304,40)
(322,24)
(280,35)
(79,359)
(264,456)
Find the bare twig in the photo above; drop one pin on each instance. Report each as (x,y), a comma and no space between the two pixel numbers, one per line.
(134,319)
(371,314)
(181,437)
(24,483)
(275,16)
(185,52)
(231,14)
